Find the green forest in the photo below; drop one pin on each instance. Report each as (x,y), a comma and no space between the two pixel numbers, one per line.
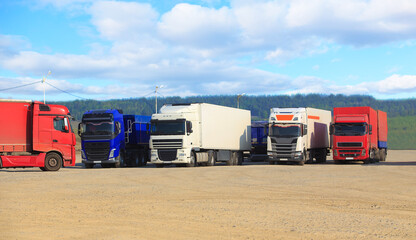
(401,113)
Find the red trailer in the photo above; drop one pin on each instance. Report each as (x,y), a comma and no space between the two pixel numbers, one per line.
(33,134)
(359,134)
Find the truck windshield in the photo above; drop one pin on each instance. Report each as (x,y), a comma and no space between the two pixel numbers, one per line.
(168,127)
(95,128)
(350,129)
(285,130)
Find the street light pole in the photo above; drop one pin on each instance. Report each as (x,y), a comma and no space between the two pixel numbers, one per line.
(44,91)
(238,99)
(157,87)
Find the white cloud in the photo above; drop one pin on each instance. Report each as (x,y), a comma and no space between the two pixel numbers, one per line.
(123,21)
(199,26)
(196,49)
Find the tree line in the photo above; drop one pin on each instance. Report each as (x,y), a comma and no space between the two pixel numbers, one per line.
(258,105)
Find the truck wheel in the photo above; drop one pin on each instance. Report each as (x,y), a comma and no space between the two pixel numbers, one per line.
(211,158)
(53,162)
(233,159)
(239,158)
(372,156)
(193,160)
(88,165)
(119,160)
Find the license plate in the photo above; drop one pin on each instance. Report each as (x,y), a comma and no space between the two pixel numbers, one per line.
(283,159)
(349,158)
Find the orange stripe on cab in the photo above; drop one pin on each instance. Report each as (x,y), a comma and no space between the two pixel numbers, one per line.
(313,117)
(284,117)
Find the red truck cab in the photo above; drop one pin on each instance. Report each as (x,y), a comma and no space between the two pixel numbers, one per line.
(359,134)
(33,134)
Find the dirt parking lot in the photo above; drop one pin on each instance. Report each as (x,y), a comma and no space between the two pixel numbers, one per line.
(253,201)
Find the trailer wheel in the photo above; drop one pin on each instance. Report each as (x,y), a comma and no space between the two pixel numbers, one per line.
(372,156)
(383,155)
(53,162)
(193,160)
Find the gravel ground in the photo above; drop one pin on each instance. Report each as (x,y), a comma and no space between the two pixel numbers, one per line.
(253,201)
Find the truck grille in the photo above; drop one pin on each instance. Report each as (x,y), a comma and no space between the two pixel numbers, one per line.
(167,143)
(350,144)
(349,151)
(283,149)
(97,151)
(167,154)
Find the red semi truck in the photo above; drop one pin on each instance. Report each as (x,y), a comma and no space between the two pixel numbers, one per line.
(359,134)
(33,134)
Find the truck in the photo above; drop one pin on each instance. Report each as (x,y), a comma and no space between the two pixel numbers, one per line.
(34,134)
(259,131)
(193,134)
(112,139)
(359,134)
(298,135)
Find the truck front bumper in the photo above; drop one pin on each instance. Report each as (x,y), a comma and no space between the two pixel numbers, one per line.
(98,162)
(176,156)
(350,154)
(293,157)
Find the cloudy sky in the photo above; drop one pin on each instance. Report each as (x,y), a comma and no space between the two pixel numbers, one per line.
(122,49)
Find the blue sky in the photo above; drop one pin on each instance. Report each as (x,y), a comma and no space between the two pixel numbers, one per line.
(122,49)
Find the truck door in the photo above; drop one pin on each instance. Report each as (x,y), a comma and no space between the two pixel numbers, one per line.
(62,136)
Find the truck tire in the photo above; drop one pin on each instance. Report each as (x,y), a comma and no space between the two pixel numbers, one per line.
(211,158)
(88,165)
(372,156)
(239,158)
(233,159)
(193,160)
(53,162)
(120,160)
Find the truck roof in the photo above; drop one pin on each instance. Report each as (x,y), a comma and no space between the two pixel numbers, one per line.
(15,100)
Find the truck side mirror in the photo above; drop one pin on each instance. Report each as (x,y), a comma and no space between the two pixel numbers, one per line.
(189,127)
(370,129)
(66,125)
(118,128)
(331,129)
(79,129)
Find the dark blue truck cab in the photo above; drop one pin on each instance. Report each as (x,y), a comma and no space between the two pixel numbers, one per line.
(259,131)
(112,139)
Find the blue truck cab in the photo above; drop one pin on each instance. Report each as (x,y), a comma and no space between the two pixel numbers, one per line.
(112,139)
(259,132)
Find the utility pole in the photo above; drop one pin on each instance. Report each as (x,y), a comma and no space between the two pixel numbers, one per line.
(44,87)
(157,87)
(238,99)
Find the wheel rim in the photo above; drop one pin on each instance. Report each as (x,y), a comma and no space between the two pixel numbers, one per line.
(53,162)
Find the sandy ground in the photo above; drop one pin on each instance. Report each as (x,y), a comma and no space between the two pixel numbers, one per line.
(253,201)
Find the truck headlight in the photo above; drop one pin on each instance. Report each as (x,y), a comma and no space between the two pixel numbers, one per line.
(363,152)
(297,154)
(335,153)
(112,153)
(83,155)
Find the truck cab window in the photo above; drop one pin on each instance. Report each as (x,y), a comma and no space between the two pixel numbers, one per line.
(59,124)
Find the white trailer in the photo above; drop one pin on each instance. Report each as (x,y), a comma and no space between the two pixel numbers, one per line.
(298,135)
(199,134)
